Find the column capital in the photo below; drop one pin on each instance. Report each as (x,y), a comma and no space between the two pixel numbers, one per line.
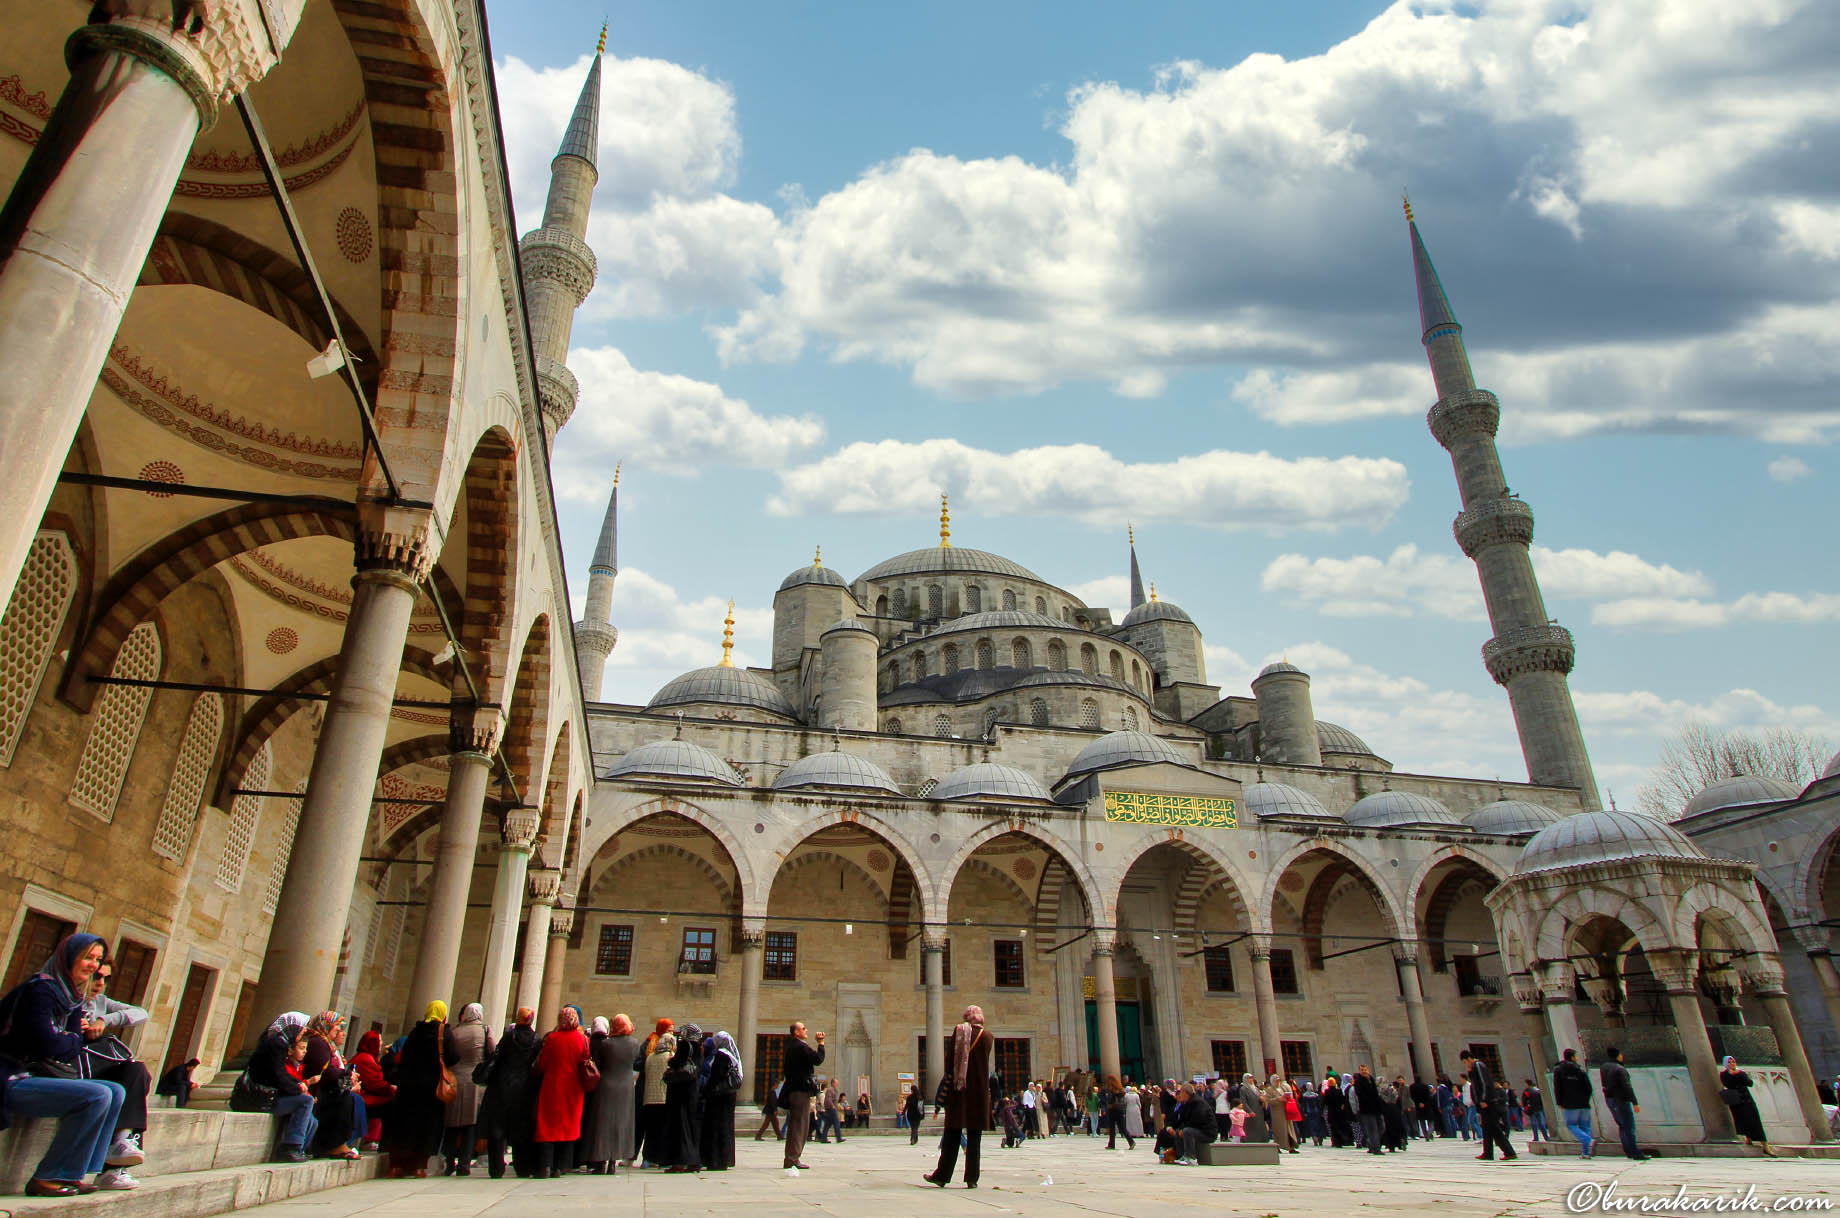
(1104,942)
(1526,991)
(214,50)
(561,923)
(517,829)
(753,938)
(1762,973)
(932,938)
(1815,940)
(396,541)
(1676,970)
(1404,954)
(475,730)
(545,884)
(1605,992)
(1259,947)
(1557,981)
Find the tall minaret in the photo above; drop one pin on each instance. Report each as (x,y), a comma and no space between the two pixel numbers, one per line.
(1137,579)
(1530,654)
(595,634)
(558,265)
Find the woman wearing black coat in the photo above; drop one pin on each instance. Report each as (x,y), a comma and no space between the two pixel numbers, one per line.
(720,1082)
(1735,1090)
(418,1120)
(1335,1110)
(681,1131)
(511,1090)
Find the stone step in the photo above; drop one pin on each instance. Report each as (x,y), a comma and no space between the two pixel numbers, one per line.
(197,1194)
(177,1140)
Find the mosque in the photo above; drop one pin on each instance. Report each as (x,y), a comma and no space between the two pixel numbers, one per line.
(287,649)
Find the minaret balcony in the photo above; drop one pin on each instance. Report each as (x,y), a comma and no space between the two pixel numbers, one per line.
(560,256)
(557,389)
(1468,412)
(1493,522)
(1513,653)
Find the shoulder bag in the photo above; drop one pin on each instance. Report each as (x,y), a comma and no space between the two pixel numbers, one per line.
(445,1089)
(590,1073)
(247,1095)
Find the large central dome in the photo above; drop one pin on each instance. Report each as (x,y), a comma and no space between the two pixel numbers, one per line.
(954,560)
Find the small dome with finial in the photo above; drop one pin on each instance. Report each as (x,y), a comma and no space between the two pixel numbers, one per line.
(816,573)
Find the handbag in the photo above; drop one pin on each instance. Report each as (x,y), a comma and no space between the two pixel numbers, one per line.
(51,1067)
(1733,1096)
(943,1095)
(482,1073)
(247,1095)
(590,1074)
(445,1089)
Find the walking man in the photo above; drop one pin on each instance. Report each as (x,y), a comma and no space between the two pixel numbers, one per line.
(1535,1104)
(1367,1104)
(769,1116)
(802,1060)
(968,1099)
(1621,1097)
(911,1107)
(1490,1108)
(1572,1092)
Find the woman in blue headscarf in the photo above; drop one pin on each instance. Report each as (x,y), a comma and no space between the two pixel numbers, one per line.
(720,1081)
(42,1033)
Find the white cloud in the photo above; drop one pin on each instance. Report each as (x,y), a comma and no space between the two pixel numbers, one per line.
(1225,489)
(1107,592)
(662,635)
(1788,469)
(1667,613)
(1642,714)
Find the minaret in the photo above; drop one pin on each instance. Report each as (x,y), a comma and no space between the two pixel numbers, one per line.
(1137,579)
(1530,654)
(595,634)
(558,265)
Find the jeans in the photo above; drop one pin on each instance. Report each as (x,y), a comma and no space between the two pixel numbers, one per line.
(86,1111)
(1472,1123)
(1578,1120)
(1624,1115)
(301,1124)
(1538,1120)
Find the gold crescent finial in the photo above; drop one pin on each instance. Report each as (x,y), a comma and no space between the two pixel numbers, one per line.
(817,557)
(728,637)
(1153,592)
(1130,532)
(1407,200)
(945,523)
(616,474)
(601,47)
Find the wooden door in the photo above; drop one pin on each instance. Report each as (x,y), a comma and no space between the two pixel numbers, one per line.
(39,935)
(191,1010)
(239,1022)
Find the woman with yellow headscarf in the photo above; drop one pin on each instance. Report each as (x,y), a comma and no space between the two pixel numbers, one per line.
(418,1116)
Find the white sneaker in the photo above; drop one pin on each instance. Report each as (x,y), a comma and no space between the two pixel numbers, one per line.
(119,1178)
(126,1151)
(793,1172)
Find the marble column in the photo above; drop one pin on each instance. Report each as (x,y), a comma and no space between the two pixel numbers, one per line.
(474,734)
(747,1020)
(517,834)
(82,216)
(1265,1000)
(1678,973)
(1105,1004)
(1764,976)
(297,972)
(1413,986)
(1533,1022)
(932,962)
(545,885)
(555,961)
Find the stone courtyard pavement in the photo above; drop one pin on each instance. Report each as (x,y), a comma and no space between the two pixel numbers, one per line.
(879,1177)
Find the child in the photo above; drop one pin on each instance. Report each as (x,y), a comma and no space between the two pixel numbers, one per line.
(1238,1117)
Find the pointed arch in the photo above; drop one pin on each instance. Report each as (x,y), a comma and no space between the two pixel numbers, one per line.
(29,631)
(1066,852)
(1729,912)
(490,491)
(198,748)
(1431,909)
(116,726)
(607,827)
(1210,867)
(789,841)
(1572,911)
(552,842)
(1343,863)
(527,715)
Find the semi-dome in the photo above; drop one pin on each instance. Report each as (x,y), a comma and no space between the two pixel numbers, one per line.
(813,574)
(1265,799)
(728,686)
(1333,737)
(1512,817)
(1156,611)
(836,769)
(953,560)
(674,759)
(990,781)
(1604,836)
(1400,810)
(1739,791)
(1286,666)
(1124,748)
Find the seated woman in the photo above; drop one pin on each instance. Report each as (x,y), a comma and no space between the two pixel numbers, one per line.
(338,1109)
(367,1065)
(44,1035)
(1195,1124)
(109,1057)
(268,1067)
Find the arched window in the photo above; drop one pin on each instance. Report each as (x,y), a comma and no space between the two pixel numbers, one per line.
(1021,655)
(935,601)
(948,658)
(1118,668)
(881,605)
(1057,656)
(1041,606)
(1089,715)
(245,811)
(1038,712)
(116,726)
(1137,675)
(974,599)
(284,848)
(919,665)
(894,727)
(942,726)
(900,602)
(927,787)
(1089,659)
(1130,718)
(986,654)
(1066,613)
(172,832)
(890,679)
(1009,598)
(30,629)
(990,722)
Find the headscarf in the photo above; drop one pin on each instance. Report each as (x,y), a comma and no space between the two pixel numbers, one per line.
(372,1043)
(63,958)
(472,1012)
(568,1018)
(325,1024)
(664,1026)
(436,1012)
(667,1045)
(621,1025)
(692,1033)
(602,1027)
(963,1037)
(1730,1063)
(579,1019)
(723,1045)
(288,1024)
(525,1017)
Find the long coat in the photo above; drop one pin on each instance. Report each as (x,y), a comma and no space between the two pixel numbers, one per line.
(969,1106)
(559,1097)
(505,1111)
(472,1045)
(610,1138)
(417,1119)
(1254,1104)
(1281,1130)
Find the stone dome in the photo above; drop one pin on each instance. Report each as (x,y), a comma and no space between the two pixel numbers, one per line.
(990,781)
(948,560)
(1000,619)
(1739,791)
(835,769)
(1512,817)
(1285,666)
(848,623)
(1604,836)
(1279,799)
(1400,810)
(814,574)
(1156,611)
(674,759)
(1333,737)
(728,686)
(1124,748)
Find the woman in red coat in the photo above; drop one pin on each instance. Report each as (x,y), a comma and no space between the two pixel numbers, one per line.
(367,1064)
(560,1097)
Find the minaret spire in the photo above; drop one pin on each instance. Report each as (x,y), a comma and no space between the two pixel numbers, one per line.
(945,523)
(1137,578)
(595,635)
(728,637)
(1530,654)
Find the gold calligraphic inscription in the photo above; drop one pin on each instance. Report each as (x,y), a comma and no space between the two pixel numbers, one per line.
(1123,990)
(1182,811)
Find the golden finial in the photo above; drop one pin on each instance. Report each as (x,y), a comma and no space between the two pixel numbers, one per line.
(1153,592)
(1407,200)
(817,557)
(728,637)
(945,523)
(1130,532)
(601,47)
(616,475)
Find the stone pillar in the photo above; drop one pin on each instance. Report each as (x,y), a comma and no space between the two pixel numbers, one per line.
(335,815)
(1105,1003)
(747,1021)
(474,735)
(1413,985)
(1533,1021)
(78,224)
(555,962)
(1678,973)
(1556,988)
(545,884)
(932,963)
(1764,976)
(1265,998)
(518,833)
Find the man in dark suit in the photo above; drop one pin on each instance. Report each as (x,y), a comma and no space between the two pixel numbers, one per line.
(801,1061)
(968,1098)
(1366,1101)
(1489,1108)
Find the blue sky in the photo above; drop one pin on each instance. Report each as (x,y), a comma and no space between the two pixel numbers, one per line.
(1082,265)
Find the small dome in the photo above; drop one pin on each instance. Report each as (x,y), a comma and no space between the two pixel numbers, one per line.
(835,769)
(1124,748)
(822,576)
(1400,810)
(674,759)
(1512,817)
(1279,799)
(1156,611)
(1334,738)
(1606,836)
(1001,619)
(990,781)
(848,623)
(948,560)
(731,686)
(1280,666)
(1739,791)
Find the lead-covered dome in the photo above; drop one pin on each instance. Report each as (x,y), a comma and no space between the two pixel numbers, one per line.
(1738,791)
(991,781)
(1265,799)
(813,574)
(1156,611)
(1400,810)
(1331,737)
(724,686)
(838,769)
(955,560)
(999,619)
(1287,666)
(1124,748)
(1604,836)
(1833,767)
(1512,818)
(674,759)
